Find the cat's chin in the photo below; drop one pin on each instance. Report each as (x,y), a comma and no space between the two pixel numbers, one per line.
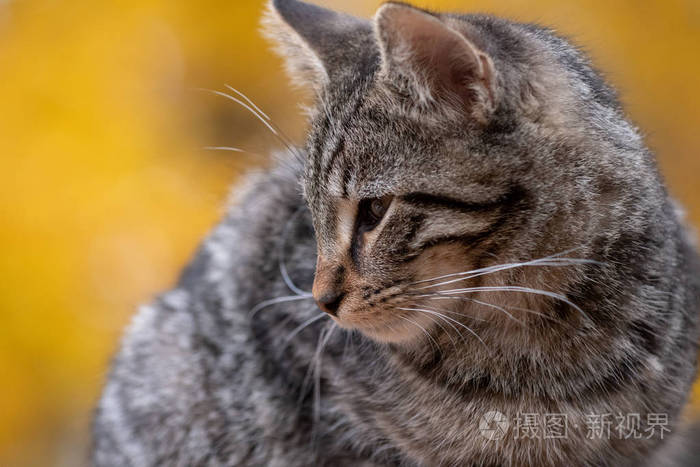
(387,336)
(405,330)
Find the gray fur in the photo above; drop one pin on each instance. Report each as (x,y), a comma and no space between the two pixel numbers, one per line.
(546,164)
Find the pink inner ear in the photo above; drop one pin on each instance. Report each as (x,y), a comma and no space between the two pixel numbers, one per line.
(447,59)
(420,43)
(459,68)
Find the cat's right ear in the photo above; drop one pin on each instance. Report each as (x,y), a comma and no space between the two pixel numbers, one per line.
(316,43)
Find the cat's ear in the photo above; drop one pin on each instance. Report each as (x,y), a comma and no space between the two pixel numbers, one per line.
(436,62)
(316,43)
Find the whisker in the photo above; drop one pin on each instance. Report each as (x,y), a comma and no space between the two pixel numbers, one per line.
(511,288)
(299,328)
(430,317)
(223,148)
(557,262)
(479,302)
(446,331)
(247,99)
(348,342)
(305,382)
(470,330)
(454,312)
(233,149)
(274,301)
(246,106)
(323,340)
(267,124)
(282,264)
(555,257)
(283,137)
(499,308)
(516,308)
(437,346)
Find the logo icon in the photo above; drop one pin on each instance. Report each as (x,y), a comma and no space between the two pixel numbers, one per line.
(493,425)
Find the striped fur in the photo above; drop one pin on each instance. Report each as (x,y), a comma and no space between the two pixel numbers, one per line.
(529,260)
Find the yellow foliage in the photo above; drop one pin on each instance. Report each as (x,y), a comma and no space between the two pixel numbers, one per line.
(105,189)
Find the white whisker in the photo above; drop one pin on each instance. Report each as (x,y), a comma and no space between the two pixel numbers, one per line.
(282,264)
(246,106)
(510,288)
(499,308)
(516,308)
(470,330)
(247,99)
(555,257)
(422,329)
(280,134)
(557,262)
(323,340)
(223,148)
(274,301)
(301,327)
(455,312)
(446,331)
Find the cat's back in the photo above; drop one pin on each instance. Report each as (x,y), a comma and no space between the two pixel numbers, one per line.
(199,378)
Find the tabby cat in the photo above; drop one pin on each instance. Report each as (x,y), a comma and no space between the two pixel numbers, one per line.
(472,261)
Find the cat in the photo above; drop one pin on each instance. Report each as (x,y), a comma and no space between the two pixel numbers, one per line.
(472,261)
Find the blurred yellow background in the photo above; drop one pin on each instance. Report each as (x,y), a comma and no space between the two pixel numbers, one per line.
(105,188)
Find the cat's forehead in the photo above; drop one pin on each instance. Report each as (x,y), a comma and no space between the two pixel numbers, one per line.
(359,145)
(355,162)
(371,149)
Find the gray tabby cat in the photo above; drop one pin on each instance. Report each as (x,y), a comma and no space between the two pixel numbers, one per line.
(485,232)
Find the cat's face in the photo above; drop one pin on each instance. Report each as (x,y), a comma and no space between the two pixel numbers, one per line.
(419,167)
(396,203)
(402,188)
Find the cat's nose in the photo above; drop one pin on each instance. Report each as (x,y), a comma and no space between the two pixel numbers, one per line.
(328,286)
(330,301)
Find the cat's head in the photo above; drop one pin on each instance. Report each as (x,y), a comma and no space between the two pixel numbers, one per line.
(439,145)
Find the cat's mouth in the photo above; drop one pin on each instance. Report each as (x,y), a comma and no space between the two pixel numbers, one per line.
(382,313)
(385,325)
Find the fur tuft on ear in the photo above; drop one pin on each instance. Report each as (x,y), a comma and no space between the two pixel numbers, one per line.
(317,44)
(437,63)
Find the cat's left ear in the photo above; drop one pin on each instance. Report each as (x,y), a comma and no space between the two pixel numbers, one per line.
(438,63)
(317,44)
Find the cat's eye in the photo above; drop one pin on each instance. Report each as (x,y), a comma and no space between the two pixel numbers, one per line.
(378,207)
(372,210)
